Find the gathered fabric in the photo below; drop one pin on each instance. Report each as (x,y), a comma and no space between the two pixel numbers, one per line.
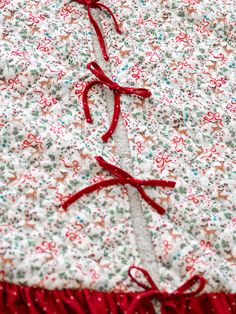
(34,300)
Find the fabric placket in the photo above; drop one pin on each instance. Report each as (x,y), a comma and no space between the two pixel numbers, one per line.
(142,235)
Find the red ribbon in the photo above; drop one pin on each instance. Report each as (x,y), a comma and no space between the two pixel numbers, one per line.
(153,291)
(122,177)
(95,4)
(116,88)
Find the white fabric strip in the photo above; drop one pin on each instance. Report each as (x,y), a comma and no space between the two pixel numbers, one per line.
(143,238)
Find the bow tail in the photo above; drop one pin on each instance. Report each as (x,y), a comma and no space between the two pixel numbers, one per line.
(99,34)
(85,100)
(115,118)
(145,275)
(73,198)
(112,15)
(151,202)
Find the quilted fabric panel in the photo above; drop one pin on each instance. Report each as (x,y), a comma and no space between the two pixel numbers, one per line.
(183,51)
(47,153)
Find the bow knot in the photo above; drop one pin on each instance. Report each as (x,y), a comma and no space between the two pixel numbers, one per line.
(92,2)
(116,88)
(151,290)
(122,177)
(88,2)
(97,5)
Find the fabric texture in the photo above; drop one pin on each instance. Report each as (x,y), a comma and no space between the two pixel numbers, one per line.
(69,195)
(47,153)
(22,299)
(183,51)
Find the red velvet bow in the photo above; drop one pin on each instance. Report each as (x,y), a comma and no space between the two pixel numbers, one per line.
(95,4)
(122,177)
(153,291)
(117,89)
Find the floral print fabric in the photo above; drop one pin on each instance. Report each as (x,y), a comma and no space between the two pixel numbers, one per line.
(184,52)
(47,153)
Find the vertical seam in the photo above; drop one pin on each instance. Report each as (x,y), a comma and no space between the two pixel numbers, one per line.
(141,233)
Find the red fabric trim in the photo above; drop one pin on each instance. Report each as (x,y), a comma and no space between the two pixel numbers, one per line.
(16,299)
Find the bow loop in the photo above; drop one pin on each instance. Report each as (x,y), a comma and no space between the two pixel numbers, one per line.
(147,277)
(116,88)
(122,177)
(189,284)
(97,71)
(180,292)
(117,172)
